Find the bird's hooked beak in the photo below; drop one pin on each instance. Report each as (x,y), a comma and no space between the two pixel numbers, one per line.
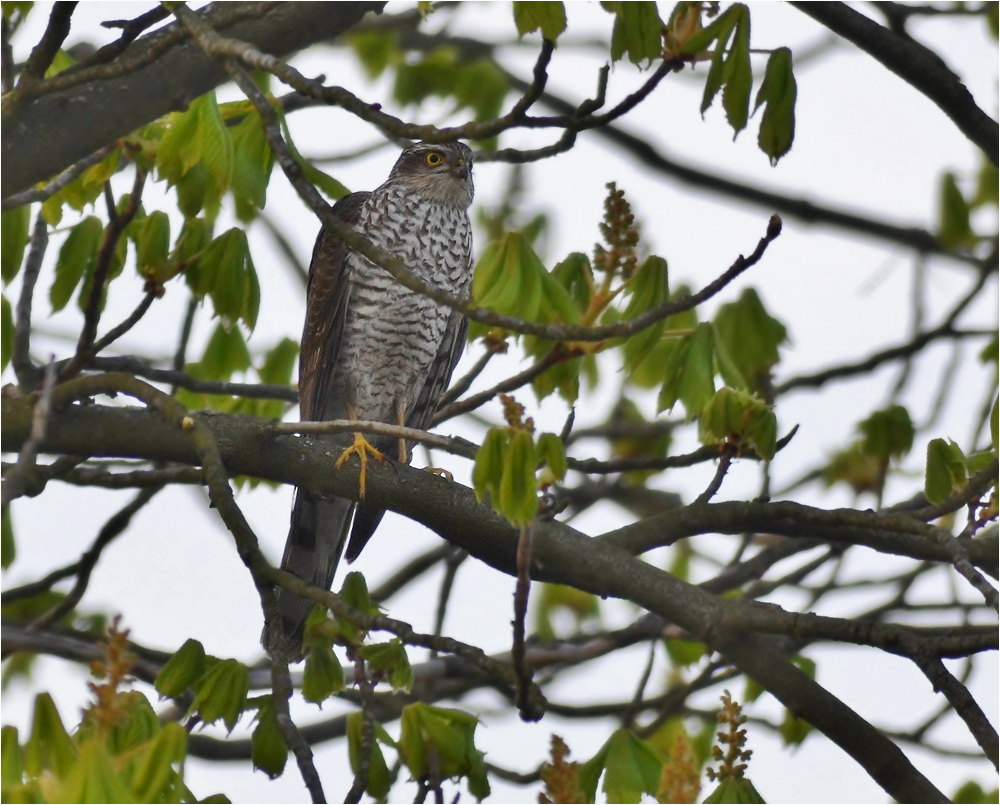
(463,170)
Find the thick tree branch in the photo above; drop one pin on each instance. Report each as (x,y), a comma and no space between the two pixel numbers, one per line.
(44,133)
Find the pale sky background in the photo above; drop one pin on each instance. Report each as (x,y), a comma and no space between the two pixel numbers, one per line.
(865,141)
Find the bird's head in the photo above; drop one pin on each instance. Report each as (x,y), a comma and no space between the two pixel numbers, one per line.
(441,172)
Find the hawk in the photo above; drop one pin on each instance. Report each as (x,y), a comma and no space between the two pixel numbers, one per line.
(375,350)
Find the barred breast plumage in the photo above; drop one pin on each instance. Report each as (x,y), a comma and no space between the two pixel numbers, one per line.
(373,349)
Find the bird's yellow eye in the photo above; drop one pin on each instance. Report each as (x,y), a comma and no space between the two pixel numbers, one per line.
(433,159)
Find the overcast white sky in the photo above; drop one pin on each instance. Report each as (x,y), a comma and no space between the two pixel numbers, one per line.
(865,142)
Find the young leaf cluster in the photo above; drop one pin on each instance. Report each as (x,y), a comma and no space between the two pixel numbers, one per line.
(506,470)
(119,753)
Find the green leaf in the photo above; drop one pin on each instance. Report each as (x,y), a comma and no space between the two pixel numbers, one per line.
(647,289)
(182,670)
(76,258)
(49,747)
(638,31)
(252,164)
(631,768)
(452,735)
(8,547)
(737,75)
(268,750)
(518,499)
(778,91)
(750,337)
(152,246)
(11,767)
(577,277)
(972,792)
(987,186)
(390,658)
(947,469)
(6,334)
(480,85)
(14,229)
(93,778)
(721,30)
(888,433)
(954,230)
(222,693)
(376,50)
(379,778)
(225,354)
(550,18)
(155,776)
(488,469)
(734,790)
(552,451)
(737,416)
(279,362)
(323,675)
(684,652)
(690,371)
(226,275)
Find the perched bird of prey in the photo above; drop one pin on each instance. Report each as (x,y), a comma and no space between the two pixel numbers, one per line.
(375,350)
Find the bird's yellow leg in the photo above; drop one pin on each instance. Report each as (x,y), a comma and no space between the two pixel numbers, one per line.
(362,448)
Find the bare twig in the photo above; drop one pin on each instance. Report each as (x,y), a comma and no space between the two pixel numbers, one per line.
(281,687)
(367,740)
(48,46)
(728,451)
(59,182)
(98,279)
(27,373)
(453,561)
(517,652)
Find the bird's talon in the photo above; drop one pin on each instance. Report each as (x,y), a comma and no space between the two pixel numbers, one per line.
(362,448)
(440,472)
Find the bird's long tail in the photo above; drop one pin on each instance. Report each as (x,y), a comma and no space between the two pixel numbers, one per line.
(315,542)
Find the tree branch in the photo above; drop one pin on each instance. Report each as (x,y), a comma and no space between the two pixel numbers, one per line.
(915,65)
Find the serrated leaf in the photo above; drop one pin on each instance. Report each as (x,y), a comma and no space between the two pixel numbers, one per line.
(577,277)
(323,675)
(222,693)
(182,670)
(14,235)
(690,372)
(226,274)
(947,469)
(721,31)
(268,750)
(76,258)
(638,31)
(452,735)
(778,91)
(750,337)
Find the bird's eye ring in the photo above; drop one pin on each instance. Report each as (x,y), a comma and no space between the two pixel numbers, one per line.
(433,159)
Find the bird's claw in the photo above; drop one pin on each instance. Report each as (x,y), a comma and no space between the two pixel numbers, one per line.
(441,473)
(362,448)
